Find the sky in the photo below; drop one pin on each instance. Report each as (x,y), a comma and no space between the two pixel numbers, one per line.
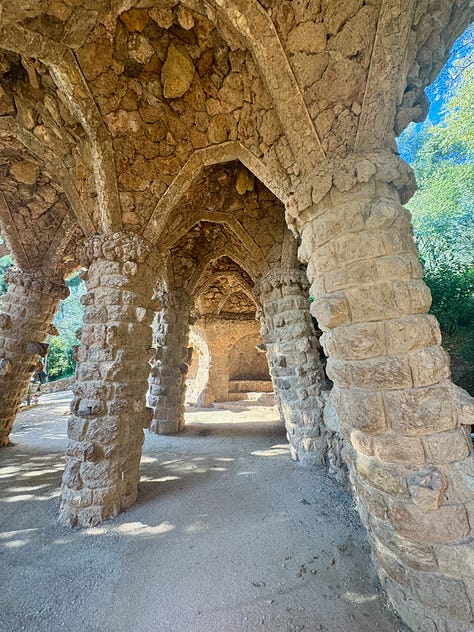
(440,91)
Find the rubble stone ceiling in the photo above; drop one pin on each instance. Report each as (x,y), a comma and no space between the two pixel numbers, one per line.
(230,195)
(127,107)
(204,243)
(226,294)
(35,212)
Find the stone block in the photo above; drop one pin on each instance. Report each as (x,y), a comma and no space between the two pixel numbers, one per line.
(361,410)
(104,431)
(387,372)
(412,297)
(331,310)
(339,372)
(375,501)
(464,405)
(446,524)
(358,247)
(447,447)
(390,564)
(397,449)
(89,407)
(372,302)
(77,428)
(350,275)
(429,366)
(444,594)
(415,555)
(399,266)
(420,411)
(386,478)
(337,221)
(357,342)
(427,486)
(457,558)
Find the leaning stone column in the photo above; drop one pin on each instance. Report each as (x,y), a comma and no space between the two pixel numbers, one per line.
(109,409)
(170,363)
(26,314)
(293,358)
(412,466)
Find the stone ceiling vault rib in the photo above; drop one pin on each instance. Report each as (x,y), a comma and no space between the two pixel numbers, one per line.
(233,225)
(213,277)
(69,78)
(382,86)
(192,170)
(200,271)
(14,240)
(261,39)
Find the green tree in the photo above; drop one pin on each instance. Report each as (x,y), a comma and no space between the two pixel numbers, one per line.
(5,263)
(68,319)
(442,156)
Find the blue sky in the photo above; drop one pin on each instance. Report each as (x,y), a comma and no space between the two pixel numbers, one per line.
(440,91)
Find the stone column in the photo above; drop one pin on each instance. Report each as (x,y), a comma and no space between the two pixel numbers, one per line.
(170,363)
(293,358)
(218,334)
(109,409)
(411,466)
(26,314)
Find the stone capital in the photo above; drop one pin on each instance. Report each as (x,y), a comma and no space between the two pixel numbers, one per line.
(38,281)
(279,277)
(121,246)
(341,176)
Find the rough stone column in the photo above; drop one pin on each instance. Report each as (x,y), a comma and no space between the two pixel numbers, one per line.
(293,358)
(411,467)
(170,364)
(26,314)
(218,334)
(109,409)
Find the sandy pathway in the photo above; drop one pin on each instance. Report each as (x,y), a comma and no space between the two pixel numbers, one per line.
(228,535)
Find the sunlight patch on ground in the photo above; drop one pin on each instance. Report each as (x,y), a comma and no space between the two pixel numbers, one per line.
(4,535)
(132,529)
(275,450)
(358,598)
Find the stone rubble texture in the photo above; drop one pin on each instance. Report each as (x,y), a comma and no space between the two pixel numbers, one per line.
(169,148)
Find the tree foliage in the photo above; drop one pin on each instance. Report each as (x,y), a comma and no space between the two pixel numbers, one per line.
(441,153)
(5,263)
(68,319)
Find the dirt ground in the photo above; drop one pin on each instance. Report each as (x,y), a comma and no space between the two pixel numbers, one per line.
(227,535)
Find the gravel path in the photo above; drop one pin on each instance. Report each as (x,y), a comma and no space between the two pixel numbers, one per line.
(228,535)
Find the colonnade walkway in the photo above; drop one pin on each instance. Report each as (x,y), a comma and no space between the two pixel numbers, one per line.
(227,535)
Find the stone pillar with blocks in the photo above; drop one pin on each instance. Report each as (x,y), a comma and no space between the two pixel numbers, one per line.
(26,314)
(109,409)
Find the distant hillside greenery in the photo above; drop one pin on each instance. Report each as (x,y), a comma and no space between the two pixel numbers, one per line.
(441,152)
(68,319)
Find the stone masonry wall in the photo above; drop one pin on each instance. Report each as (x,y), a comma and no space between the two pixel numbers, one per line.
(26,314)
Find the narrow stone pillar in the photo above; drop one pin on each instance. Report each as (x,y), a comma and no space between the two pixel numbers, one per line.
(218,335)
(170,363)
(293,358)
(109,409)
(26,314)
(411,467)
